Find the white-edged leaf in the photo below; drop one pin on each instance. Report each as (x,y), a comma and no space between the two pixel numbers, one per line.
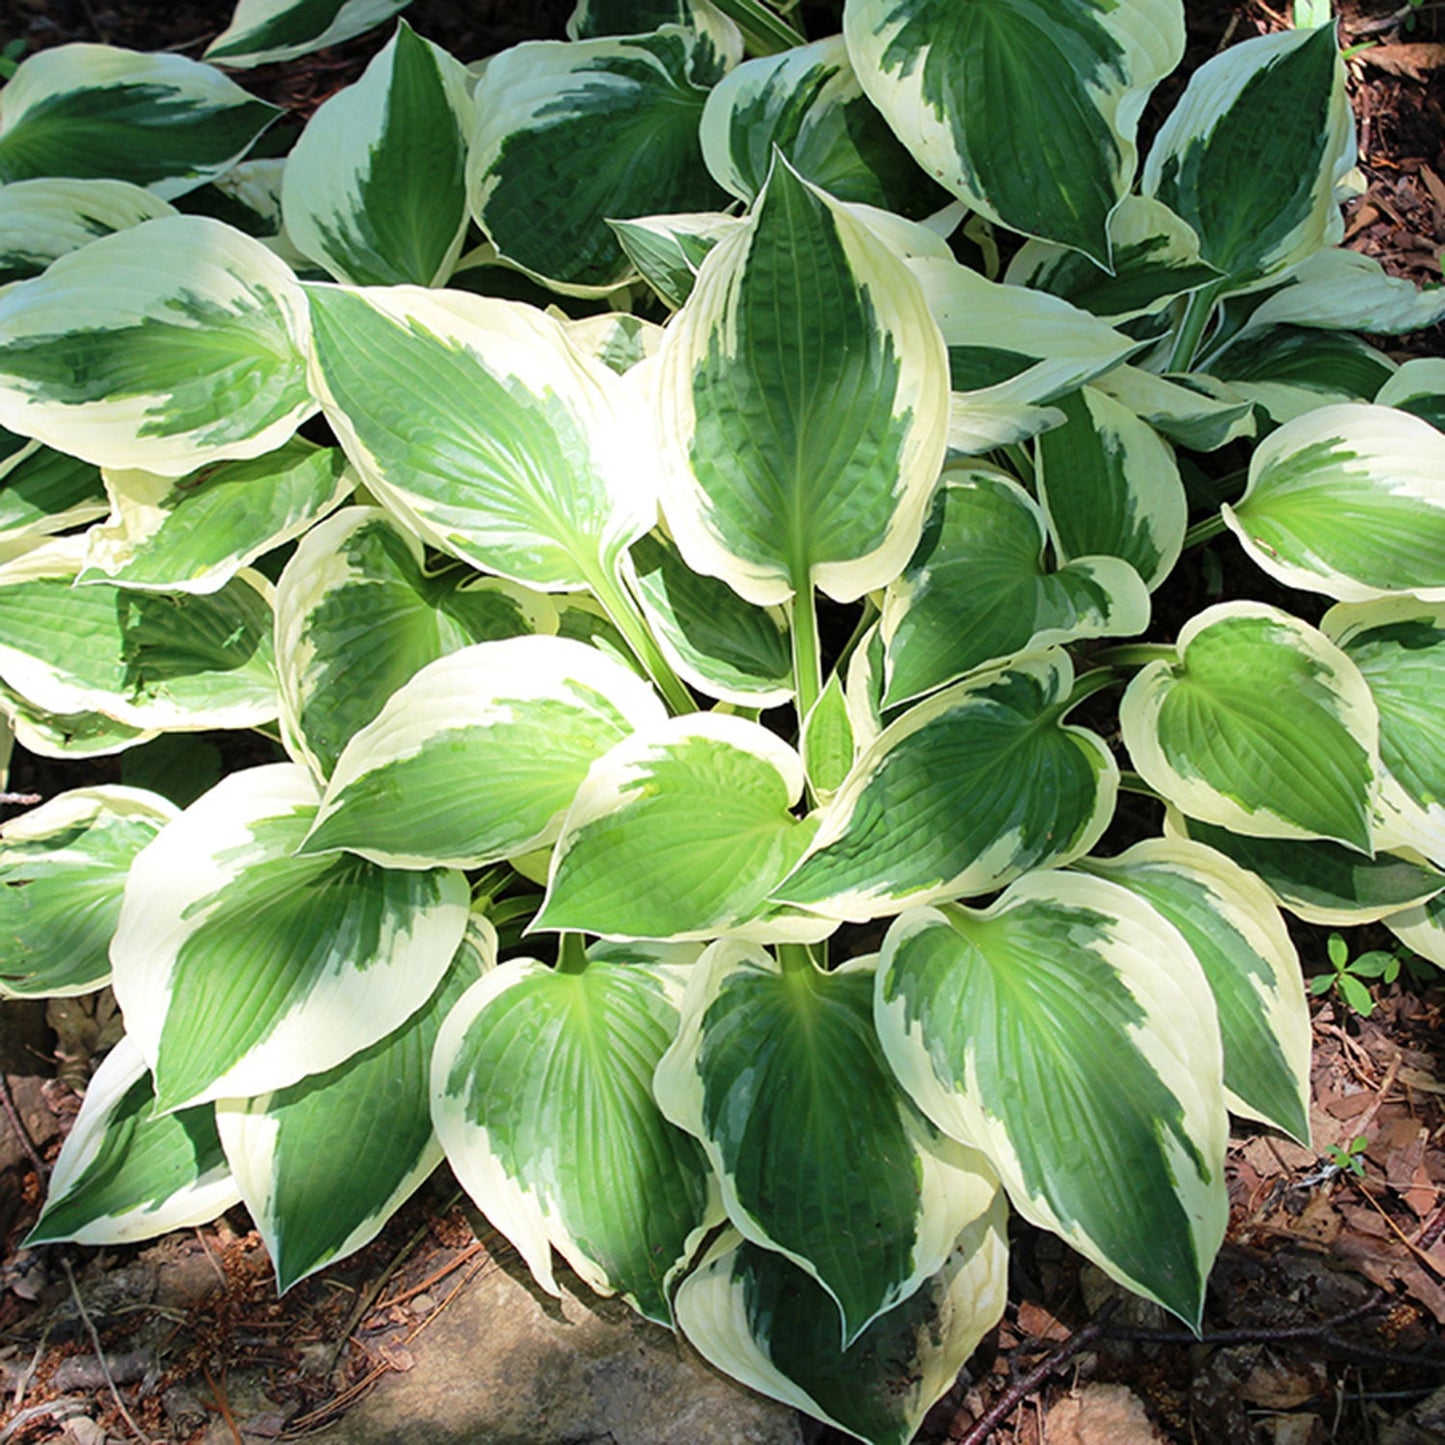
(820,1155)
(1011,351)
(762,1321)
(1340,290)
(1258,208)
(828,746)
(808,103)
(667,250)
(542,1098)
(166,346)
(1154,255)
(1288,371)
(125,1173)
(1071,990)
(1317,880)
(323,1165)
(194,533)
(480,425)
(1422,929)
(1418,387)
(1110,487)
(161,121)
(266,32)
(148,660)
(680,831)
(242,968)
(1262,726)
(477,757)
(977,589)
(1192,409)
(43,491)
(721,644)
(46,218)
(804,404)
(1398,644)
(1348,500)
(375,189)
(62,869)
(571,134)
(969,789)
(67,735)
(617,339)
(1230,921)
(358,614)
(1026,113)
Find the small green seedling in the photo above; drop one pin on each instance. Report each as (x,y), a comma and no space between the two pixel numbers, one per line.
(1349,973)
(1349,1158)
(10,57)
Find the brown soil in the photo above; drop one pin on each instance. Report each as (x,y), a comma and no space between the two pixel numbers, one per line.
(1326,1317)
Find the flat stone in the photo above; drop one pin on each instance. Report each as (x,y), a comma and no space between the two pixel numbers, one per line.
(503,1364)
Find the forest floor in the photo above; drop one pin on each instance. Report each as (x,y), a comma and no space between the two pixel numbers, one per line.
(1326,1314)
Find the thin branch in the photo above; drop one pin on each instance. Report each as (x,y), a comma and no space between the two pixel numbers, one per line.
(1260,1335)
(1020,1390)
(100,1355)
(7,1102)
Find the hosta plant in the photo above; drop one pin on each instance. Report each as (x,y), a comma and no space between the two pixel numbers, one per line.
(750,955)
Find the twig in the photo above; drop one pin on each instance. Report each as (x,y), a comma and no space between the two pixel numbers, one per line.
(7,1101)
(218,1395)
(1261,1335)
(211,1257)
(23,1383)
(1020,1390)
(20,800)
(100,1355)
(476,1247)
(372,1292)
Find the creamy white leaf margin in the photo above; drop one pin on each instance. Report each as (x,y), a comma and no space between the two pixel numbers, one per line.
(266,32)
(177,881)
(48,217)
(177,280)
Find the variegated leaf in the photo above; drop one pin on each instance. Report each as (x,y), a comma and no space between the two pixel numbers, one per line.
(821,1156)
(1262,726)
(718,642)
(755,1316)
(242,968)
(161,121)
(1290,370)
(1320,881)
(1192,409)
(375,189)
(486,430)
(358,614)
(1110,487)
(144,659)
(167,346)
(827,745)
(62,868)
(323,1165)
(193,534)
(125,1173)
(667,250)
(1258,209)
(617,339)
(1230,921)
(478,756)
(561,132)
(1155,259)
(44,219)
(43,491)
(1073,991)
(807,103)
(1349,501)
(266,32)
(1342,290)
(1422,929)
(592,18)
(1028,114)
(67,735)
(1011,351)
(804,404)
(977,591)
(971,788)
(1399,646)
(679,832)
(542,1098)
(1418,388)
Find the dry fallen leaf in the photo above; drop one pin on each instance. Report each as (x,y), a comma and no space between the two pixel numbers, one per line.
(1415,62)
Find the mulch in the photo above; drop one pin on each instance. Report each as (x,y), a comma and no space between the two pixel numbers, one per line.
(1326,1314)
